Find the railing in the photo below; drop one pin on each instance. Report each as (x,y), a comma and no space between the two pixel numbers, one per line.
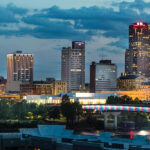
(117,108)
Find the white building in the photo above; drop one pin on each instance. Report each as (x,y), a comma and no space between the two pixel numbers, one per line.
(82,98)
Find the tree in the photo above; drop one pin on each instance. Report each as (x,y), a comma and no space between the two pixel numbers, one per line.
(137,101)
(41,112)
(125,99)
(113,100)
(70,110)
(19,110)
(54,113)
(65,99)
(4,110)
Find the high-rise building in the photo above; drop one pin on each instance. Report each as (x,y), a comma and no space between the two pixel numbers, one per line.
(137,57)
(20,67)
(73,66)
(103,76)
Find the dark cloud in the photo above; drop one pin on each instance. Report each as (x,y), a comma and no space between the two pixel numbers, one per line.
(7,16)
(72,24)
(16,10)
(80,24)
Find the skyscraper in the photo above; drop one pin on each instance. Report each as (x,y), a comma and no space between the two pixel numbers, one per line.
(73,66)
(20,67)
(103,76)
(137,57)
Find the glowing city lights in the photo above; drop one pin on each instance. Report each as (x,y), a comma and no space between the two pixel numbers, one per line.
(116,108)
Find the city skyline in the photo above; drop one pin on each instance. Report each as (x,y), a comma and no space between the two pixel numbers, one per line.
(26,27)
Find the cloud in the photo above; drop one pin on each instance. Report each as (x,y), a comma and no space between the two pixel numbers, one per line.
(16,10)
(87,21)
(45,31)
(7,16)
(81,24)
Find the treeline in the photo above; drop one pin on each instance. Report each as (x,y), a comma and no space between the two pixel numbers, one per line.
(15,110)
(123,100)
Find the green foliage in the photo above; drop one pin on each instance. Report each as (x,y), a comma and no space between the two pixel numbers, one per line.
(4,110)
(15,110)
(72,111)
(123,100)
(54,113)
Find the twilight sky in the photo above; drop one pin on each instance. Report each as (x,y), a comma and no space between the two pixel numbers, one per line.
(43,27)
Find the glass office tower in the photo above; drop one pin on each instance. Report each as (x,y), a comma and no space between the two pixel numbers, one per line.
(137,57)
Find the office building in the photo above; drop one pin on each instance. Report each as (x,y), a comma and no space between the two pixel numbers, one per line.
(36,88)
(43,88)
(59,87)
(137,57)
(19,70)
(20,67)
(130,82)
(103,76)
(2,85)
(73,66)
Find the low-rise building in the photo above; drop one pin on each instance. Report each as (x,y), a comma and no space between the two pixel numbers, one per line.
(130,82)
(15,97)
(43,88)
(37,88)
(59,87)
(82,98)
(141,94)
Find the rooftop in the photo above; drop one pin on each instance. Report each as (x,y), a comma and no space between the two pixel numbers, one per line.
(130,76)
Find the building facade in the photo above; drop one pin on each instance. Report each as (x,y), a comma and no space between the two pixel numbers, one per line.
(36,89)
(103,76)
(59,87)
(141,94)
(20,67)
(82,98)
(130,82)
(137,57)
(73,66)
(43,88)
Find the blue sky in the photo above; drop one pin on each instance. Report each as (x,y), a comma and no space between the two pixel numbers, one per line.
(38,4)
(43,27)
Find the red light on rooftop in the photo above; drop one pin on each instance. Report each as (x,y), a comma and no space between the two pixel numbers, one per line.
(139,25)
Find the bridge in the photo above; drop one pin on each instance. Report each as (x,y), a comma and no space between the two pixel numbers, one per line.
(115,110)
(118,108)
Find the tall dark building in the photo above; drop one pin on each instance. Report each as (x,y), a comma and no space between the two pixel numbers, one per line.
(137,57)
(73,66)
